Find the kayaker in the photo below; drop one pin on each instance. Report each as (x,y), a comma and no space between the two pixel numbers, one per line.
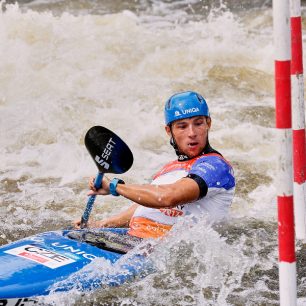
(199,182)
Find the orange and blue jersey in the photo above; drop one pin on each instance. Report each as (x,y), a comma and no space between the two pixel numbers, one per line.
(217,192)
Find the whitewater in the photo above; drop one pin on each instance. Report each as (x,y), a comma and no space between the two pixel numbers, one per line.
(69,65)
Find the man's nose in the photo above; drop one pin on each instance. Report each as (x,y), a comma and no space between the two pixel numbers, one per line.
(191,130)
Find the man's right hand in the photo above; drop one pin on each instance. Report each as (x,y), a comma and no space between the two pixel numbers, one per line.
(102,191)
(90,224)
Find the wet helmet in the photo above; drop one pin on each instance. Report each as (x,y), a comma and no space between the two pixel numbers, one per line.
(185,105)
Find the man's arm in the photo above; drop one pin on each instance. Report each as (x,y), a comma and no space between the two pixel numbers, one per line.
(183,191)
(120,220)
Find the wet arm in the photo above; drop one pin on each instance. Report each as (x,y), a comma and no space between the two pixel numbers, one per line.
(120,220)
(183,191)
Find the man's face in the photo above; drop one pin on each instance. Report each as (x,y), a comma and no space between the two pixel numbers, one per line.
(190,134)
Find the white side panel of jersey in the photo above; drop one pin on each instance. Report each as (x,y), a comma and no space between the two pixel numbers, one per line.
(153,213)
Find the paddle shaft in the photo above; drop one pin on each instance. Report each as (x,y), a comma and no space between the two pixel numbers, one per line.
(91,200)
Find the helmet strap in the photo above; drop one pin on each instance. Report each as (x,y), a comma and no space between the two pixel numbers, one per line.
(180,155)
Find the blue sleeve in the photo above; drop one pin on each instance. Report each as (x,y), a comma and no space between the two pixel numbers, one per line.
(214,171)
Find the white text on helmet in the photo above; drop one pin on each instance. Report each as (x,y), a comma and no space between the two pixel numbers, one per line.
(190,110)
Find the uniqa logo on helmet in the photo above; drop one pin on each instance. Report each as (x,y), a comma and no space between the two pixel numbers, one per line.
(191,110)
(187,111)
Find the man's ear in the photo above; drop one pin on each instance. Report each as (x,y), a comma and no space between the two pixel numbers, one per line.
(208,121)
(168,130)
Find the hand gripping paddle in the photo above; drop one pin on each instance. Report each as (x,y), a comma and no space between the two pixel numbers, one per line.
(111,155)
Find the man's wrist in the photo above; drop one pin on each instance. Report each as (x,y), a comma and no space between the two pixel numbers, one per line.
(113,186)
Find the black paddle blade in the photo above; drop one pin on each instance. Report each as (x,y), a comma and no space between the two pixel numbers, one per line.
(108,150)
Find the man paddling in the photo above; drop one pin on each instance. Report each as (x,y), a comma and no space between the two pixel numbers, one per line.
(200,182)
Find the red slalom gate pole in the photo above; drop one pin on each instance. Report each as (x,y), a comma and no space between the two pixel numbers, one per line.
(298,119)
(286,239)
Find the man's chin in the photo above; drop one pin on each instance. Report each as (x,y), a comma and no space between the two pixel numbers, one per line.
(193,153)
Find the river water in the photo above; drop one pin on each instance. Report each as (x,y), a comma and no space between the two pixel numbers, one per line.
(68,65)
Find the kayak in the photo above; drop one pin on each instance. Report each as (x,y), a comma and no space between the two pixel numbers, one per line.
(52,262)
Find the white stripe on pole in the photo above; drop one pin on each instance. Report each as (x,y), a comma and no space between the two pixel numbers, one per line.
(282,43)
(284,171)
(297,94)
(299,210)
(295,8)
(287,281)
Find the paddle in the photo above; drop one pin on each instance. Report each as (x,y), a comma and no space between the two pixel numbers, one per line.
(111,155)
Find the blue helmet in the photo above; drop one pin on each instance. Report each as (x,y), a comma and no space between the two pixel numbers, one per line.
(185,105)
